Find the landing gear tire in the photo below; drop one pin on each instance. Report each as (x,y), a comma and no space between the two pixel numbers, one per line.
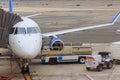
(81,60)
(25,70)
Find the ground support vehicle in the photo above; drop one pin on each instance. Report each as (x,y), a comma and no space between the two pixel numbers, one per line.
(99,62)
(72,52)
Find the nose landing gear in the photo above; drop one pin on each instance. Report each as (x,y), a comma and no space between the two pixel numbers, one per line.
(24,65)
(25,70)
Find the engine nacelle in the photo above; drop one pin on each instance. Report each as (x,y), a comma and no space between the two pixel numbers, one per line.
(56,43)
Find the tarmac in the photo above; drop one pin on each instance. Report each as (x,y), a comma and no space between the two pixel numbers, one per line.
(67,14)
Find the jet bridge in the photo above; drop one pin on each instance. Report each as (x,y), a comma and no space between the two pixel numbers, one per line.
(7,21)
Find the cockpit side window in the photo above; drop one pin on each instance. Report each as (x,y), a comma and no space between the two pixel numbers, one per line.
(20,31)
(38,30)
(11,30)
(32,30)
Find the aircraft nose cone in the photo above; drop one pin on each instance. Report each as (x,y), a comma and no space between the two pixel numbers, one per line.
(26,46)
(28,49)
(31,50)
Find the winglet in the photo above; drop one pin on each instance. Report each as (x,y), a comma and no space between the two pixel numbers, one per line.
(115,18)
(10,6)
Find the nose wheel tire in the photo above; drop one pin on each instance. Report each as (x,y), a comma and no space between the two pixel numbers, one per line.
(25,70)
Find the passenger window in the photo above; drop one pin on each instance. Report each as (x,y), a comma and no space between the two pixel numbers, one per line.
(20,31)
(11,30)
(32,30)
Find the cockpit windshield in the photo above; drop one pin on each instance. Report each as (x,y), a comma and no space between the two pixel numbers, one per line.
(32,30)
(20,31)
(23,30)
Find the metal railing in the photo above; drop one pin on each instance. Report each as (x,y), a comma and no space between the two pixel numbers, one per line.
(70,47)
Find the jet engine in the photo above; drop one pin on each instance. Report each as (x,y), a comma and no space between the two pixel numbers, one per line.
(56,43)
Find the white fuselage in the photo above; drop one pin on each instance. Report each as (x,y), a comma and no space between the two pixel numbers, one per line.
(25,39)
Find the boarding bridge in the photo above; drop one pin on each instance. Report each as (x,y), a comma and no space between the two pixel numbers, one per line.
(7,21)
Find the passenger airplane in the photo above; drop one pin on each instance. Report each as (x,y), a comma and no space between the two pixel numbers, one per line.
(25,37)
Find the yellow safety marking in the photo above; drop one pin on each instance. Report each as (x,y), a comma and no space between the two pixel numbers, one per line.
(27,77)
(51,55)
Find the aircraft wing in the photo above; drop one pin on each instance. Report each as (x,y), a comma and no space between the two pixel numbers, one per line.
(117,43)
(81,28)
(34,15)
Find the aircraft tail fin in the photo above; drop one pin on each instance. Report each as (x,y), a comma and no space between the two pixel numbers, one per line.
(10,6)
